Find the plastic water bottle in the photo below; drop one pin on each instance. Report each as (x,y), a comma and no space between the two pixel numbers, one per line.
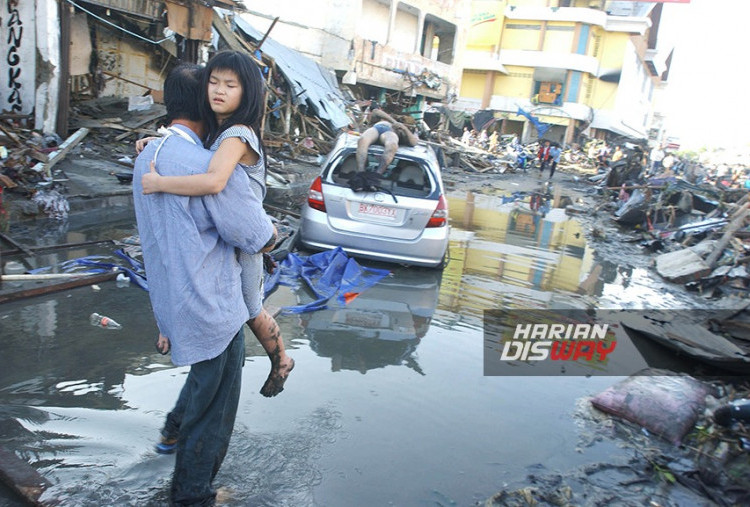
(102,321)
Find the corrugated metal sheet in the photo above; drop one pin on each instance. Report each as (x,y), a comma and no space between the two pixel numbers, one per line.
(311,83)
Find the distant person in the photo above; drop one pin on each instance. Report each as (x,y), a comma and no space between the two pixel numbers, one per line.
(655,157)
(483,139)
(668,162)
(388,132)
(188,247)
(602,155)
(554,158)
(617,155)
(493,141)
(466,136)
(543,156)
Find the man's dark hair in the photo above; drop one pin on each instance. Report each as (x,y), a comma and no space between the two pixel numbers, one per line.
(182,92)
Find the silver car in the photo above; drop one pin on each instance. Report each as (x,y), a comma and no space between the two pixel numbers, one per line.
(404,220)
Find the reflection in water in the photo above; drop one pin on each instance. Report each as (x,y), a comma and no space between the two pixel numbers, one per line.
(381,327)
(84,405)
(504,255)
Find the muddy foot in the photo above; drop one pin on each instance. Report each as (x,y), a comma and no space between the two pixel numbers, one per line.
(275,381)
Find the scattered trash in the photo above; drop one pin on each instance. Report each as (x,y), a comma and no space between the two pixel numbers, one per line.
(103,322)
(54,204)
(122,280)
(737,411)
(660,401)
(140,103)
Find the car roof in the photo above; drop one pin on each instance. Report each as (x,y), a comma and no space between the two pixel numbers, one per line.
(420,151)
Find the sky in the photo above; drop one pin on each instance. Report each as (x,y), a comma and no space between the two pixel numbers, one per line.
(707,101)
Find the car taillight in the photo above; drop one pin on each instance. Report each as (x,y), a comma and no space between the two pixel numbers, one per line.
(440,215)
(315,195)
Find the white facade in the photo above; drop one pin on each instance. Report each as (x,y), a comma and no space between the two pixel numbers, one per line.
(411,46)
(17,56)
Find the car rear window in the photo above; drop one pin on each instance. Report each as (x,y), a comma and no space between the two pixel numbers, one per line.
(404,177)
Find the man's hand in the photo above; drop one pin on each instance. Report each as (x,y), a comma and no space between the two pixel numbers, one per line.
(141,143)
(151,181)
(162,345)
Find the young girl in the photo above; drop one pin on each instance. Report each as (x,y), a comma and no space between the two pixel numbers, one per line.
(233,106)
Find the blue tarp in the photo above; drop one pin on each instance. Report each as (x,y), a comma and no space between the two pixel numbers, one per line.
(93,264)
(332,276)
(541,128)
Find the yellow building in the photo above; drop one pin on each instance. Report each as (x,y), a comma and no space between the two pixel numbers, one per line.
(581,66)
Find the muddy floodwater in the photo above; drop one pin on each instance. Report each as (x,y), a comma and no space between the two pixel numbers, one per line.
(388,404)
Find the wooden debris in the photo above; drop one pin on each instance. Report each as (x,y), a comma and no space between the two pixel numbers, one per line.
(16,244)
(48,289)
(682,266)
(736,223)
(61,152)
(39,277)
(22,477)
(11,136)
(7,182)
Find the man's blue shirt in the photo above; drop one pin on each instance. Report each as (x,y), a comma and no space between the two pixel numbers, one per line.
(189,250)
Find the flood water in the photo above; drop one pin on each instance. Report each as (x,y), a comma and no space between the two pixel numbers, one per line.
(387,405)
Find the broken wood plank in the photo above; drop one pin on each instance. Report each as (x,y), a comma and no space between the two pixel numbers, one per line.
(7,182)
(268,32)
(681,266)
(62,246)
(38,155)
(157,111)
(11,136)
(16,244)
(61,152)
(48,289)
(234,40)
(126,80)
(294,214)
(465,161)
(737,222)
(21,477)
(40,277)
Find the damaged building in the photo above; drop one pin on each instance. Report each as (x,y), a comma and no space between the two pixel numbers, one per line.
(586,67)
(125,48)
(116,48)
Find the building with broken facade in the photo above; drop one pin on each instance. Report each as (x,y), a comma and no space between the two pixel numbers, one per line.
(581,66)
(399,52)
(587,67)
(114,48)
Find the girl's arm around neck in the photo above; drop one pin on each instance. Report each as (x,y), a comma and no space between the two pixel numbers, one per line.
(231,151)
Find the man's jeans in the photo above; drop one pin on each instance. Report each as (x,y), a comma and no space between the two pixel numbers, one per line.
(208,406)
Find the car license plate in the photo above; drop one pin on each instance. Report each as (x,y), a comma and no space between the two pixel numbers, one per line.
(376,210)
(360,319)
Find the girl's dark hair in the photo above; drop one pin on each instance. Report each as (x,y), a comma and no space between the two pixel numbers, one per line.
(252,104)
